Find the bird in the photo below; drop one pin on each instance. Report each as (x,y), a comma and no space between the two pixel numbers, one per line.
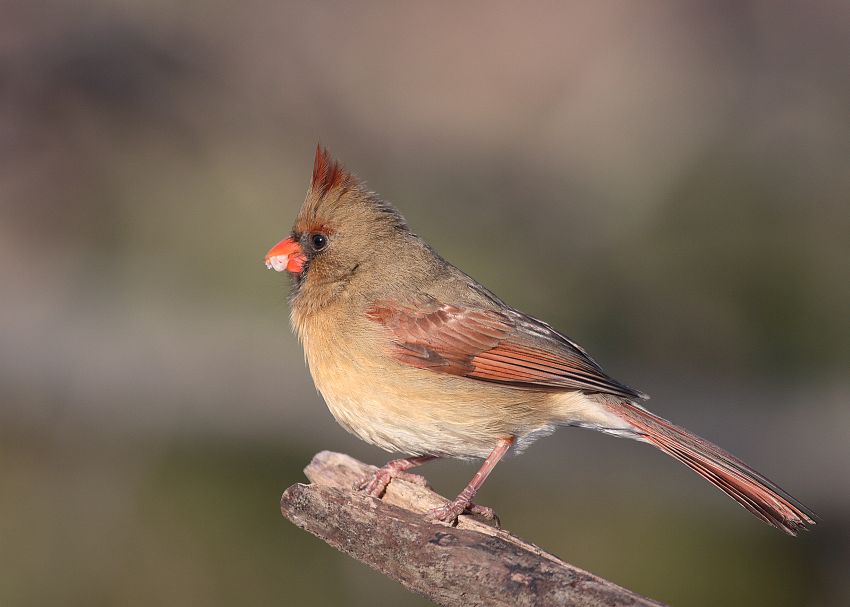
(414,356)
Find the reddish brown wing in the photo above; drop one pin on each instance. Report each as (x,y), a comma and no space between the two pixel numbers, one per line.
(509,348)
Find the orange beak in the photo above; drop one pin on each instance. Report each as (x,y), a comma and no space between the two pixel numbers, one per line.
(286,255)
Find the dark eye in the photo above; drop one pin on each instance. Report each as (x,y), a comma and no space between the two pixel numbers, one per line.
(320,241)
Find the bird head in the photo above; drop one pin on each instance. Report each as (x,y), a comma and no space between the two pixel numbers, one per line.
(336,231)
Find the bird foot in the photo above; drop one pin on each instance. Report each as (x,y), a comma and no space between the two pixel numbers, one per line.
(450,511)
(376,484)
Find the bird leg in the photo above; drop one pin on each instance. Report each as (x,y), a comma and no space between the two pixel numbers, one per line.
(376,484)
(449,511)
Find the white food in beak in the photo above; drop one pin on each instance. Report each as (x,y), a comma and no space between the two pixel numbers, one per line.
(277,263)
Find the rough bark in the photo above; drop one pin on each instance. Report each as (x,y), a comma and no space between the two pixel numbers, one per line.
(470,564)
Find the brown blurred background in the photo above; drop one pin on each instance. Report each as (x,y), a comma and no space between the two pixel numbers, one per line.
(667,182)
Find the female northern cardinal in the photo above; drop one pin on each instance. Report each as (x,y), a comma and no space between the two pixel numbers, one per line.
(416,357)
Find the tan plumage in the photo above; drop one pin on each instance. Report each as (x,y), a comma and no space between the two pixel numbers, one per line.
(414,356)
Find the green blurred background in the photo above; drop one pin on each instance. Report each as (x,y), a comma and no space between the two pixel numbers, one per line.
(667,182)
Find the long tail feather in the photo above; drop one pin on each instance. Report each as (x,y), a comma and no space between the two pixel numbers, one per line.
(752,490)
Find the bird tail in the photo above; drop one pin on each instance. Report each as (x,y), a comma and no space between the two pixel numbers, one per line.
(753,491)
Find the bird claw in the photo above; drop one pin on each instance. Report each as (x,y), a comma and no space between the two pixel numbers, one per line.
(449,512)
(375,485)
(485,512)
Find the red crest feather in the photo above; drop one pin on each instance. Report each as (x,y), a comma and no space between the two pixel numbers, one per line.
(328,174)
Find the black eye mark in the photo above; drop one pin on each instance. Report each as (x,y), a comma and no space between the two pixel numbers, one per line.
(319,241)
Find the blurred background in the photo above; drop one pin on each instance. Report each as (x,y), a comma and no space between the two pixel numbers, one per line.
(666,182)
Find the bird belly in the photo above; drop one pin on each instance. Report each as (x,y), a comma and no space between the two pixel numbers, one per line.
(414,411)
(419,412)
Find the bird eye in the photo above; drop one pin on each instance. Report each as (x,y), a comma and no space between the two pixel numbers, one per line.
(320,241)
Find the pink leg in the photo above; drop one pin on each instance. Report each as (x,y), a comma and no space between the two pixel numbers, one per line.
(376,484)
(449,512)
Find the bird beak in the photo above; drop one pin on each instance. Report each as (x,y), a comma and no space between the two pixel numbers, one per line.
(286,255)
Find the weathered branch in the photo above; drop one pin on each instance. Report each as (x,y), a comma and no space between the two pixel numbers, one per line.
(471,564)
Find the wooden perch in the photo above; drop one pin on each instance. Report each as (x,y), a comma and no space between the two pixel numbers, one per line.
(471,564)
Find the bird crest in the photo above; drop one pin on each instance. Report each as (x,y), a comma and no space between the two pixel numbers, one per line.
(336,194)
(328,173)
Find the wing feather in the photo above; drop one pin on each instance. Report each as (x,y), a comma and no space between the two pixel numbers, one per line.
(488,345)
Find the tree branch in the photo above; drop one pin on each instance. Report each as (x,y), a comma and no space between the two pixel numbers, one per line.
(471,564)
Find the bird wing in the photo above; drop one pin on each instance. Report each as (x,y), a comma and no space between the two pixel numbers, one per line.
(506,347)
